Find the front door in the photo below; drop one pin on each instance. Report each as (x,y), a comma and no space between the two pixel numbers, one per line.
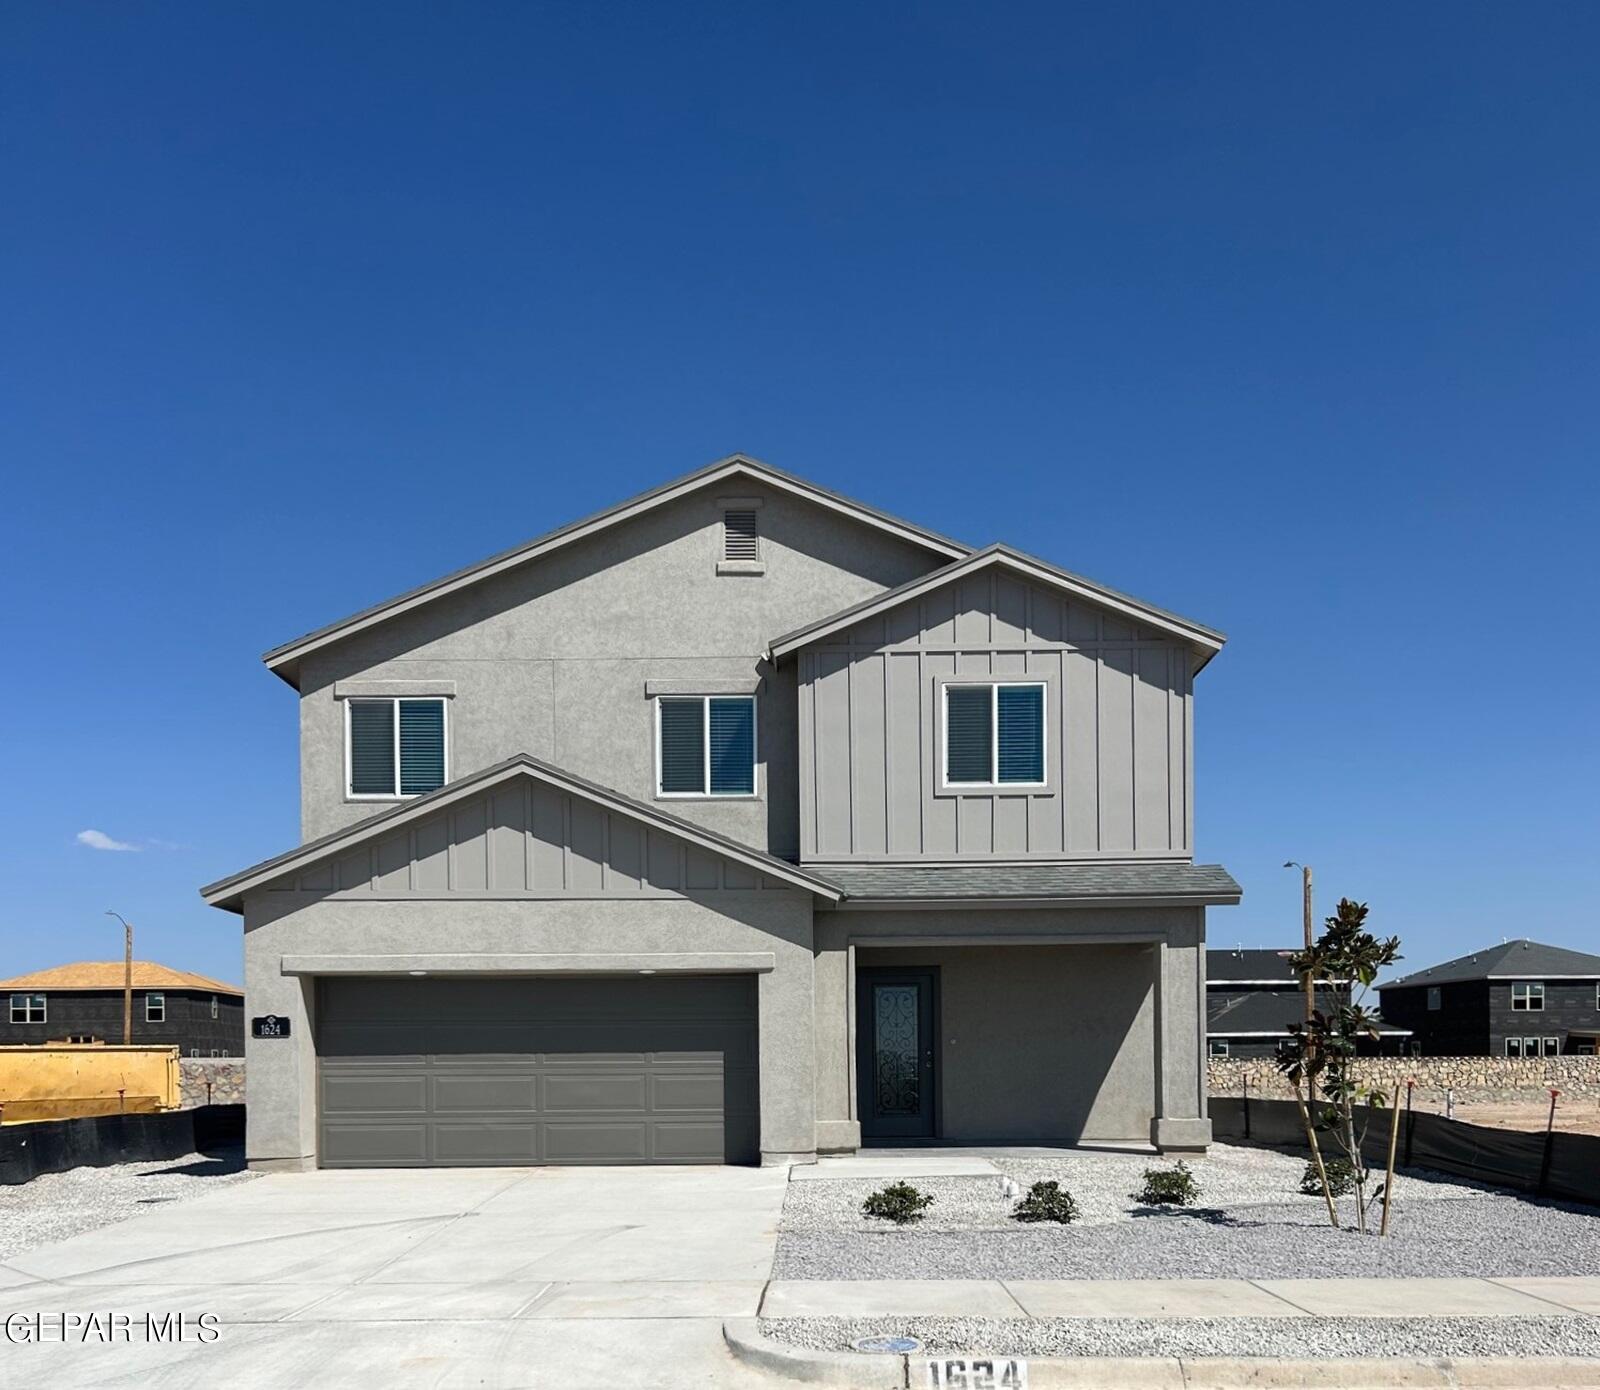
(896,1036)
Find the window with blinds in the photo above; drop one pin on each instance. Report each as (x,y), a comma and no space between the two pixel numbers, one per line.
(395,747)
(706,745)
(740,540)
(994,734)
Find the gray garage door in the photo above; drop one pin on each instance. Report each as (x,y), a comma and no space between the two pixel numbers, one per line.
(437,1072)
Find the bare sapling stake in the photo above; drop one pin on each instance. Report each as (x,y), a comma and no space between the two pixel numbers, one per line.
(1316,1152)
(1388,1177)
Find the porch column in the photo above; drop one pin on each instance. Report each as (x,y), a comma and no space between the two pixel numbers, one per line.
(1179,1124)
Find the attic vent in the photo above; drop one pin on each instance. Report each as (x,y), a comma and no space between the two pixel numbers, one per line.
(739,540)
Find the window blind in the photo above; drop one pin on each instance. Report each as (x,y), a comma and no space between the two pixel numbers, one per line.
(968,733)
(1020,714)
(683,749)
(421,746)
(372,747)
(733,747)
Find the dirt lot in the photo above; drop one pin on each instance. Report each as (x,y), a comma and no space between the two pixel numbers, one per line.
(1580,1115)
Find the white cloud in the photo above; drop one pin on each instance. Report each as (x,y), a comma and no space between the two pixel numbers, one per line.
(98,839)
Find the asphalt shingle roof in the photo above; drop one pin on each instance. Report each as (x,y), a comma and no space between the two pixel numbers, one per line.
(914,882)
(1521,960)
(1249,964)
(1269,1011)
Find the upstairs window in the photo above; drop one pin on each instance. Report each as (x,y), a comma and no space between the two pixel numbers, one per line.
(27,1008)
(994,734)
(394,748)
(155,1008)
(1527,996)
(213,1006)
(1435,998)
(706,745)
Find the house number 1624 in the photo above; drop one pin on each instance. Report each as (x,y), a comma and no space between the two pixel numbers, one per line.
(977,1373)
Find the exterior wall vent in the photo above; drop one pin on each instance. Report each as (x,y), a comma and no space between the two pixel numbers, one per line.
(740,541)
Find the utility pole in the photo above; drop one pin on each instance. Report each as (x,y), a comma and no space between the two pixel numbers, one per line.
(127,977)
(1310,984)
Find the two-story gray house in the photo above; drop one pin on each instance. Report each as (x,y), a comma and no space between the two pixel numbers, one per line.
(736,823)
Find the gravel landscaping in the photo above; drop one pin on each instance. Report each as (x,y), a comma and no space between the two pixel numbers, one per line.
(1251,1222)
(1296,1338)
(54,1206)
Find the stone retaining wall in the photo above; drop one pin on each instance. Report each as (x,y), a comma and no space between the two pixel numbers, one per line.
(1471,1078)
(225,1075)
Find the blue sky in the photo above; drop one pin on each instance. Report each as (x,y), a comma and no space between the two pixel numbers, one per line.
(1285,319)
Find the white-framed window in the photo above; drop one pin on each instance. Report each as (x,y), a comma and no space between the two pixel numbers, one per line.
(155,1008)
(1435,998)
(194,1051)
(706,745)
(214,1006)
(1513,1047)
(1552,1047)
(1219,1047)
(1527,996)
(994,733)
(28,1008)
(1533,1047)
(395,748)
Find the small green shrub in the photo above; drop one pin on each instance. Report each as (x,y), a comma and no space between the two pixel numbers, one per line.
(899,1202)
(1341,1178)
(1046,1201)
(1168,1187)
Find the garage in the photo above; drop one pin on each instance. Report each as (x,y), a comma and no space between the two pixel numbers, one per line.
(483,1071)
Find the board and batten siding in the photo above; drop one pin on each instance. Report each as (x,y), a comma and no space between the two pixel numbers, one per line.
(527,840)
(1119,742)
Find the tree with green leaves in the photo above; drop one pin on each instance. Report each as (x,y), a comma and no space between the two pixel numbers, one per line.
(1318,1056)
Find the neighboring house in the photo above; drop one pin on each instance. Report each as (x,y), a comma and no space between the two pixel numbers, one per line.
(82,1003)
(1517,999)
(1252,996)
(740,821)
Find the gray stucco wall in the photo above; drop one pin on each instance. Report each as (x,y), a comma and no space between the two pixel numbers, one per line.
(1119,731)
(552,659)
(282,1121)
(1052,1028)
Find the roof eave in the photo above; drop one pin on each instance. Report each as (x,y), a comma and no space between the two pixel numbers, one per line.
(1205,641)
(284,660)
(879,902)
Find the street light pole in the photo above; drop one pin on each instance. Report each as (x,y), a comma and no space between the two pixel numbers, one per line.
(127,977)
(1305,907)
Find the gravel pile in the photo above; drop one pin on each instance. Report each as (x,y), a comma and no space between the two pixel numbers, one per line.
(1102,1184)
(1298,1338)
(54,1206)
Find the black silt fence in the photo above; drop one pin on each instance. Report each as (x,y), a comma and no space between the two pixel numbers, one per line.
(1558,1165)
(96,1141)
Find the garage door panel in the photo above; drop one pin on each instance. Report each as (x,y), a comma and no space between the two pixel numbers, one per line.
(514,1093)
(362,1145)
(616,1142)
(365,1092)
(485,1143)
(690,1092)
(519,1071)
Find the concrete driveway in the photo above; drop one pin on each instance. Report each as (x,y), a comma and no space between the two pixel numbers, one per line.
(571,1277)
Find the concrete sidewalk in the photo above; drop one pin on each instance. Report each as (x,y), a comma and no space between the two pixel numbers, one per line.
(1182,1298)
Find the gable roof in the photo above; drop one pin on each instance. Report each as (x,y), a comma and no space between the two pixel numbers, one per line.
(108,974)
(229,892)
(1206,641)
(1510,960)
(284,660)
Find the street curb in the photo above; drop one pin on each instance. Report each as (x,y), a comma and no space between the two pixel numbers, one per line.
(880,1371)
